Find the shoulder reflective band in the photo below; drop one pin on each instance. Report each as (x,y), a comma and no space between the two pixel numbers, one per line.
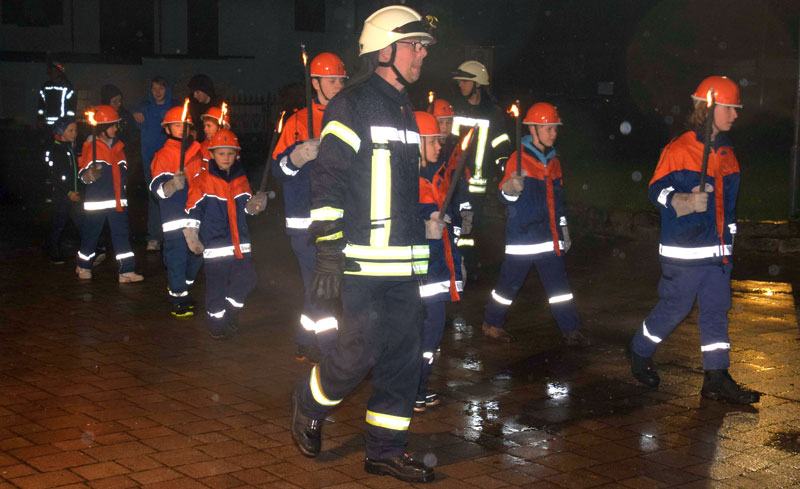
(500,139)
(316,389)
(664,195)
(388,421)
(342,132)
(483,135)
(694,253)
(326,214)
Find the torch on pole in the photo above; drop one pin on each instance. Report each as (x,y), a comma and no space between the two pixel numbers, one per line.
(309,99)
(515,111)
(223,111)
(458,172)
(793,204)
(275,136)
(707,132)
(431,98)
(184,136)
(93,122)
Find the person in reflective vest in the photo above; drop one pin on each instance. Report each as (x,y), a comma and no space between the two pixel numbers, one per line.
(292,163)
(105,199)
(216,227)
(696,242)
(445,281)
(536,230)
(170,185)
(56,96)
(371,246)
(476,106)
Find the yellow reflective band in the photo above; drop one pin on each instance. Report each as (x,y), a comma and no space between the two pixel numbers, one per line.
(347,135)
(382,269)
(421,251)
(380,197)
(316,390)
(394,253)
(420,267)
(500,139)
(388,421)
(331,237)
(474,189)
(465,242)
(478,181)
(326,214)
(483,135)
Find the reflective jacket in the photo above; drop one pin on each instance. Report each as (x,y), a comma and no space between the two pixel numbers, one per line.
(704,237)
(367,176)
(296,181)
(108,191)
(63,167)
(56,99)
(535,217)
(216,205)
(493,145)
(444,281)
(165,163)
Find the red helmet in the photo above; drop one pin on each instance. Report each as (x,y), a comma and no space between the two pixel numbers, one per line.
(442,109)
(427,124)
(215,113)
(224,138)
(328,65)
(174,115)
(541,114)
(105,114)
(726,92)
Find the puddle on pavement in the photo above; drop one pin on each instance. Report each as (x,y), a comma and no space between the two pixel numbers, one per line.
(787,442)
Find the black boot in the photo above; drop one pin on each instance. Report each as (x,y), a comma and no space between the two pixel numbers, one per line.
(306,432)
(719,386)
(401,467)
(642,368)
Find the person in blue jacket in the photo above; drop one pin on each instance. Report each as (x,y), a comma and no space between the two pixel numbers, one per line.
(536,230)
(697,229)
(148,118)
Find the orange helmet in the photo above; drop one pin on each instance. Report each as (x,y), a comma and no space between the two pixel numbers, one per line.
(442,109)
(105,114)
(174,115)
(224,138)
(214,113)
(427,124)
(726,92)
(328,65)
(541,114)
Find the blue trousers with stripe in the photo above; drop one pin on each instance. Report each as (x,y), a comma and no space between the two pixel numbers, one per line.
(677,290)
(229,281)
(381,330)
(182,268)
(92,227)
(306,255)
(553,275)
(432,332)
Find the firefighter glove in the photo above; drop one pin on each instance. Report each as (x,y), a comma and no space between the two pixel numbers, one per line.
(177,182)
(256,204)
(93,173)
(326,282)
(466,221)
(192,236)
(304,152)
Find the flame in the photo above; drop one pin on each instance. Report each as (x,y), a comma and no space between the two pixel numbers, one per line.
(90,116)
(430,97)
(185,109)
(305,56)
(223,113)
(710,97)
(465,142)
(513,110)
(280,122)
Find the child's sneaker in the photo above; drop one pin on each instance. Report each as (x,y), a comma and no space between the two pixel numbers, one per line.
(431,399)
(125,278)
(84,273)
(182,310)
(419,406)
(225,333)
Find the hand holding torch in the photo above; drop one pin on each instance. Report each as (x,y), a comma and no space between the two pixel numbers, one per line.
(708,128)
(275,137)
(184,136)
(458,172)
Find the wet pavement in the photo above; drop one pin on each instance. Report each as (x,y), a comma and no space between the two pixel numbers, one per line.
(101,388)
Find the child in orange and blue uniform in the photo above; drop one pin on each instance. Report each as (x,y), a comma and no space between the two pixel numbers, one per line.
(212,124)
(169,187)
(217,228)
(697,228)
(536,230)
(105,197)
(444,281)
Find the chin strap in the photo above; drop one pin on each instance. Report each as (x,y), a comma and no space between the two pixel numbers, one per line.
(390,64)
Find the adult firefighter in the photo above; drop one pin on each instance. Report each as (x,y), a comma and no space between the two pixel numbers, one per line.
(293,160)
(492,149)
(56,97)
(697,228)
(371,245)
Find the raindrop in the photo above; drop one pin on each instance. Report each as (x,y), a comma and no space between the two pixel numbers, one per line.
(611,137)
(615,252)
(621,255)
(215,397)
(625,128)
(177,51)
(139,34)
(126,339)
(585,186)
(636,176)
(744,82)
(723,45)
(774,270)
(271,194)
(87,437)
(239,70)
(646,33)
(459,323)
(676,109)
(669,120)
(373,315)
(547,13)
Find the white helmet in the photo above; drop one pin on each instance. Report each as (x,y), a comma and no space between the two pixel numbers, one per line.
(390,24)
(472,71)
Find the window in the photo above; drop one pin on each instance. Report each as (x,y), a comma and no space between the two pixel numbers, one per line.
(33,13)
